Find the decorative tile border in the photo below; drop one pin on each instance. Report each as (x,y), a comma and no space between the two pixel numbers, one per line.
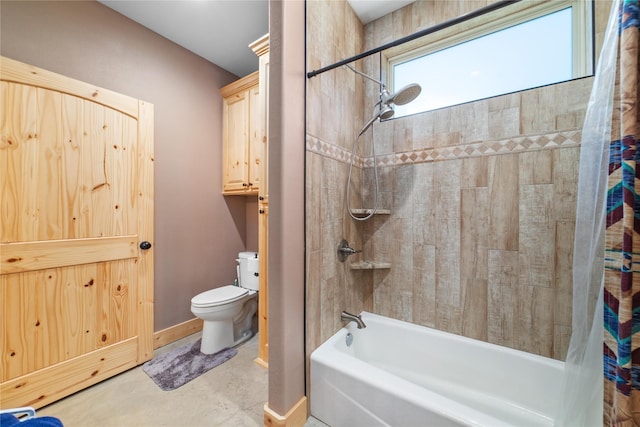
(547,141)
(315,145)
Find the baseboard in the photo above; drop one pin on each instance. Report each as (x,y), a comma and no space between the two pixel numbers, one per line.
(296,417)
(176,332)
(261,362)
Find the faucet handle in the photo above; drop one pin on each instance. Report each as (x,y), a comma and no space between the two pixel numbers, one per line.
(344,250)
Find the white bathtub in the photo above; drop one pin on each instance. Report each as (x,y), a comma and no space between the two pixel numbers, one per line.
(399,374)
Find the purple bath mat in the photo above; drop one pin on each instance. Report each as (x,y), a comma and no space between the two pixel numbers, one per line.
(181,365)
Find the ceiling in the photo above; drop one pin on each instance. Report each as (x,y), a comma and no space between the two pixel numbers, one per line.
(370,10)
(221,30)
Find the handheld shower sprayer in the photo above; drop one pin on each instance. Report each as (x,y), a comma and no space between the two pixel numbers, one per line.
(384,111)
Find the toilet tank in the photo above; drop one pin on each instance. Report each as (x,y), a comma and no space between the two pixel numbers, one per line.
(248,270)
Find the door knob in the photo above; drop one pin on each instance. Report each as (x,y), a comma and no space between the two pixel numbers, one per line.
(145,245)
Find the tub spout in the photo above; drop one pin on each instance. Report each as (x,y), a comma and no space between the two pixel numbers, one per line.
(353,318)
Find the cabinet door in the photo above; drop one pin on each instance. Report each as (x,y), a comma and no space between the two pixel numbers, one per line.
(256,145)
(263,291)
(235,130)
(264,123)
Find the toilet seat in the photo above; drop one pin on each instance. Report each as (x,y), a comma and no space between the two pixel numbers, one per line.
(218,296)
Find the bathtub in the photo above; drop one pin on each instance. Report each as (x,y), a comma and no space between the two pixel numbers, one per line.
(395,373)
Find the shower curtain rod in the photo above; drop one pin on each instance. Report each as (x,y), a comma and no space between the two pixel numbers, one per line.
(432,29)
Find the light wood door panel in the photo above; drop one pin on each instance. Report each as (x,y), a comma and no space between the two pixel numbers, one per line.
(242,147)
(58,314)
(76,183)
(256,145)
(235,134)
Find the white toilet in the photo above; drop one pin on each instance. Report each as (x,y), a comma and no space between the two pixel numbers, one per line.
(228,311)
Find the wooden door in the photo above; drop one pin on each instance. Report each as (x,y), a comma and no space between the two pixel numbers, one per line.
(76,187)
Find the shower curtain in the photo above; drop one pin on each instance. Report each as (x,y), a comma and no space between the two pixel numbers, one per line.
(607,200)
(622,237)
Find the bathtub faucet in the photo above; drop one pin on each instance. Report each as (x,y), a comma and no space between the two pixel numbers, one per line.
(353,318)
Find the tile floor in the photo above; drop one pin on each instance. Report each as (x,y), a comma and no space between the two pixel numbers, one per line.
(230,395)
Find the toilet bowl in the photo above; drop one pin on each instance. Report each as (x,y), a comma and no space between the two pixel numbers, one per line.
(228,311)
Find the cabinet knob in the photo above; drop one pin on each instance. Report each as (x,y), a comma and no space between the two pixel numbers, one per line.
(251,184)
(261,211)
(244,184)
(145,245)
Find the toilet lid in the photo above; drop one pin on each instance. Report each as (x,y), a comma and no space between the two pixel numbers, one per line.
(222,295)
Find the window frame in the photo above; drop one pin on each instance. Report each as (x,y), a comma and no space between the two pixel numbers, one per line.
(518,13)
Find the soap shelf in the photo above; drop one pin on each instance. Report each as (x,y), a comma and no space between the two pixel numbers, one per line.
(361,213)
(370,265)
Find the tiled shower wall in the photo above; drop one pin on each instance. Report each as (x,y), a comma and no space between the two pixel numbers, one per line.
(334,111)
(482,197)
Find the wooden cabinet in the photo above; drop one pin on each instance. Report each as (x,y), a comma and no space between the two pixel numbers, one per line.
(245,164)
(243,144)
(261,48)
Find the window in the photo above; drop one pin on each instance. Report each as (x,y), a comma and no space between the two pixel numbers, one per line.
(540,44)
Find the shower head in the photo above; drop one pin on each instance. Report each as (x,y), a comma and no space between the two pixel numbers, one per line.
(387,100)
(403,96)
(386,112)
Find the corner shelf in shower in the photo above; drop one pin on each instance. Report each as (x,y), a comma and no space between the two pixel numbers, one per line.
(370,265)
(361,213)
